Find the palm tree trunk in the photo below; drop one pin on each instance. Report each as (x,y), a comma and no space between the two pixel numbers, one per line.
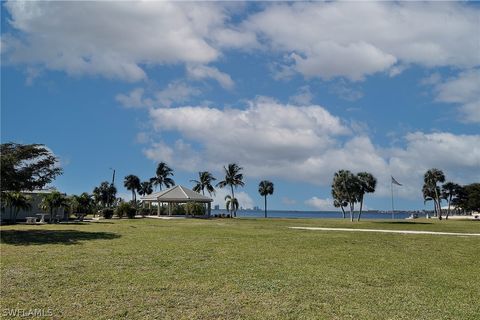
(439,211)
(448,210)
(233,212)
(351,211)
(15,213)
(437,198)
(265,206)
(361,206)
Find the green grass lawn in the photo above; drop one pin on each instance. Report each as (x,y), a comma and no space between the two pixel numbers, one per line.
(241,269)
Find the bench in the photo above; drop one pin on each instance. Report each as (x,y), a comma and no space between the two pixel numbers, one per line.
(31,220)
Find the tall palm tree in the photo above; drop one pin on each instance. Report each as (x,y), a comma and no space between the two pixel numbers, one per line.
(233,178)
(431,178)
(52,202)
(204,181)
(231,203)
(367,183)
(16,201)
(450,190)
(162,176)
(145,188)
(265,188)
(132,183)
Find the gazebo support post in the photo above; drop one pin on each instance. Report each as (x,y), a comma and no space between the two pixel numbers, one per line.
(169,208)
(209,209)
(158,209)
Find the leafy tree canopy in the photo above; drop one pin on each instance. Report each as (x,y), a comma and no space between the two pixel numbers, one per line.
(27,166)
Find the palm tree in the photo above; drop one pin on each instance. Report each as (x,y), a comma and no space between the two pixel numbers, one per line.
(83,204)
(449,191)
(162,176)
(204,181)
(231,203)
(347,185)
(132,182)
(338,200)
(104,194)
(367,185)
(428,195)
(16,201)
(145,188)
(265,188)
(52,202)
(233,178)
(431,178)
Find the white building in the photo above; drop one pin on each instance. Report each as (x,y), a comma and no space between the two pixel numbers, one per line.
(36,197)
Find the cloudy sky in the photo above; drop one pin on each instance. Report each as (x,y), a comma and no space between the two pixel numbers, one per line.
(292,92)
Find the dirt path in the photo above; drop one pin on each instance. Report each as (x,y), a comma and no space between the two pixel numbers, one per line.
(388,231)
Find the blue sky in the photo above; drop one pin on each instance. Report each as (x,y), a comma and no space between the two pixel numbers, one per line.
(292,92)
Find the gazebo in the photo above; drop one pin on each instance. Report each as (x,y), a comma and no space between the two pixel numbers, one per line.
(177,194)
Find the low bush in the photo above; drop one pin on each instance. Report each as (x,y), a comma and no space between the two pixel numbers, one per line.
(126,209)
(107,213)
(178,210)
(195,209)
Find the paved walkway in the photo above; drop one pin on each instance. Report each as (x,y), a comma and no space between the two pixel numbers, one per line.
(388,231)
(163,217)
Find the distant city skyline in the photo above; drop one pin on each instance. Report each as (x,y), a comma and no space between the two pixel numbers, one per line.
(292,92)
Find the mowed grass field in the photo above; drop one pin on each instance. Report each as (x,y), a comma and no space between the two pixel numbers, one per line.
(241,269)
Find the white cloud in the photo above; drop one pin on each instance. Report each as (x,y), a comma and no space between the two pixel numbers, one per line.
(303,96)
(112,39)
(356,39)
(174,93)
(321,204)
(199,72)
(464,89)
(181,153)
(264,130)
(134,99)
(122,40)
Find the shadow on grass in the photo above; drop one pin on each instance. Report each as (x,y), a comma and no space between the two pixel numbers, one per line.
(401,222)
(39,237)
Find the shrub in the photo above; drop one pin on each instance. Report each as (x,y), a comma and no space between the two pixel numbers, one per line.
(194,209)
(163,210)
(178,210)
(125,209)
(107,213)
(131,213)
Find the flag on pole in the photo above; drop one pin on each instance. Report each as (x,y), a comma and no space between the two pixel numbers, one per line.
(395,181)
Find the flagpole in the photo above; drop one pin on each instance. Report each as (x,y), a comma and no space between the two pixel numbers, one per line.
(393,210)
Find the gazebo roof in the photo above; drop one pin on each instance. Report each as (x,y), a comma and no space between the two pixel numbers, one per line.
(177,193)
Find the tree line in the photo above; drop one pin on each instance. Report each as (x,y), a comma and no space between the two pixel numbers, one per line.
(31,167)
(463,198)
